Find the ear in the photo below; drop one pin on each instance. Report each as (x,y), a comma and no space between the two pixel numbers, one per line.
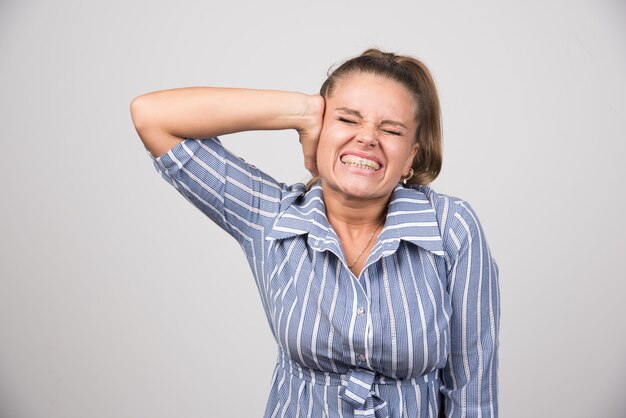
(414,149)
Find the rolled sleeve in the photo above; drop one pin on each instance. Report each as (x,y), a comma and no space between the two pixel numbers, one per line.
(234,194)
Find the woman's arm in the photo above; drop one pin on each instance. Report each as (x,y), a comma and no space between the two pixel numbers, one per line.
(470,379)
(164,118)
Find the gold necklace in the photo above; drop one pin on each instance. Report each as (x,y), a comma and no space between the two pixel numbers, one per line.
(358,257)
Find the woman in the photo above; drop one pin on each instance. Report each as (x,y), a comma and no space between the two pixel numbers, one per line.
(381,294)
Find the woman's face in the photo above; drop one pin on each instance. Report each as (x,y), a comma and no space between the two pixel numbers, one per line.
(367,143)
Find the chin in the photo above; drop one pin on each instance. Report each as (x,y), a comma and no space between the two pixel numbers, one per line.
(365,190)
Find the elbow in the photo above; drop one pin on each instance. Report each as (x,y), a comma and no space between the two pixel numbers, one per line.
(143,120)
(145,116)
(139,113)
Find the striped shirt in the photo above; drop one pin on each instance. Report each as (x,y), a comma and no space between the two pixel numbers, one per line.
(416,334)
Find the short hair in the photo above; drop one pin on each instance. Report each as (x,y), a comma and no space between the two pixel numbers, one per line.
(415,76)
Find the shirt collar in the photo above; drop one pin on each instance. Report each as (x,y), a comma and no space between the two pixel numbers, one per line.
(410,217)
(307,215)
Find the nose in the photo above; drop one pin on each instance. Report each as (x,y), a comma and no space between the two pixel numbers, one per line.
(367,136)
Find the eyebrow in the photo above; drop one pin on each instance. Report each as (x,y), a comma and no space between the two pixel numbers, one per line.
(350,111)
(358,114)
(393,122)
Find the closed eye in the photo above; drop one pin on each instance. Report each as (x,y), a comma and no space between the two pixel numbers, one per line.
(396,133)
(346,120)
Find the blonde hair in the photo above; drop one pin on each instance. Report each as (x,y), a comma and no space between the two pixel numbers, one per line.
(415,76)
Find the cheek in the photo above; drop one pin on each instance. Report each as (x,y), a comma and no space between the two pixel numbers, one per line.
(325,155)
(329,143)
(404,159)
(322,146)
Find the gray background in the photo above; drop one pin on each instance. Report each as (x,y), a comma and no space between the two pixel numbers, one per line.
(119,299)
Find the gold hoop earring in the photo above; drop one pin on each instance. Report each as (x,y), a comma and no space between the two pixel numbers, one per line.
(408,176)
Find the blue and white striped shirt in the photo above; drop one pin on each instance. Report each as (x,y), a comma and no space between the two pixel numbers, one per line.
(420,321)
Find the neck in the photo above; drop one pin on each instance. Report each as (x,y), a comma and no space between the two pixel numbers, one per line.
(353,215)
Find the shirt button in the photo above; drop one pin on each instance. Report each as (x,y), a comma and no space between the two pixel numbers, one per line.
(361,357)
(360,311)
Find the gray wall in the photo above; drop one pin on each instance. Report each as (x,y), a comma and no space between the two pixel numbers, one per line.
(118,299)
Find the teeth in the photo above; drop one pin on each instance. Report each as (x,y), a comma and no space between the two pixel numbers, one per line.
(360,162)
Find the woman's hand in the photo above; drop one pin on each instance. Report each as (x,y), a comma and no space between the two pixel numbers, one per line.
(310,129)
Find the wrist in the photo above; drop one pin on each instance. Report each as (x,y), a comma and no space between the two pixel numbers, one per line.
(310,114)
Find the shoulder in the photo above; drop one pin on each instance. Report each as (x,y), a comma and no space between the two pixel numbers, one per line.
(458,222)
(445,206)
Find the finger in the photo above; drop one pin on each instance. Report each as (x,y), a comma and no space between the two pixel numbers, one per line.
(310,158)
(311,165)
(309,151)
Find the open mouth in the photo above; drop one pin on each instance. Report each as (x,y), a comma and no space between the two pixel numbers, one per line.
(360,162)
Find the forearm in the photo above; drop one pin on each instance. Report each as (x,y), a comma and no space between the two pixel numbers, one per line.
(163,118)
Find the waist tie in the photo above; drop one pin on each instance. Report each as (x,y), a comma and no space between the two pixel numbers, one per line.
(357,387)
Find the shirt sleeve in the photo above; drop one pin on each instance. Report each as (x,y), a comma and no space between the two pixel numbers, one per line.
(470,378)
(237,196)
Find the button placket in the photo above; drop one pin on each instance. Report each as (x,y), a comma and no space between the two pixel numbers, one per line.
(360,335)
